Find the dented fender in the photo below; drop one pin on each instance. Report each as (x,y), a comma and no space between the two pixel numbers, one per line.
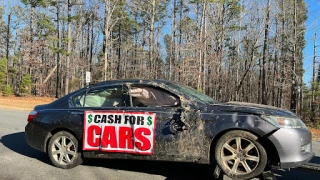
(253,123)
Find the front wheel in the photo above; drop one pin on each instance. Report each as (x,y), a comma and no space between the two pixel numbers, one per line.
(63,150)
(240,155)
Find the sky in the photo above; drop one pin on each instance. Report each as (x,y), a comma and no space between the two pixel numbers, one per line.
(312,26)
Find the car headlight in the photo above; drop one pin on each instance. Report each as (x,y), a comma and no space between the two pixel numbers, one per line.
(285,122)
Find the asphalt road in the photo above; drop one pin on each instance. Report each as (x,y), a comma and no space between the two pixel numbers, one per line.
(19,161)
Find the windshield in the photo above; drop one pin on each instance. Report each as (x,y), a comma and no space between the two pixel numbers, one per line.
(192,92)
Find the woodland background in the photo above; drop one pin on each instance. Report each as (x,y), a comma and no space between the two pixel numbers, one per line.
(232,50)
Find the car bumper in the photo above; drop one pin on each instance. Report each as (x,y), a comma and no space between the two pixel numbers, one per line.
(36,137)
(294,146)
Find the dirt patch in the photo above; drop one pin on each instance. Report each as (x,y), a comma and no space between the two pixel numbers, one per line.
(315,134)
(23,103)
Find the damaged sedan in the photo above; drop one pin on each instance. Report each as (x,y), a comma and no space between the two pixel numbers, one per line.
(164,121)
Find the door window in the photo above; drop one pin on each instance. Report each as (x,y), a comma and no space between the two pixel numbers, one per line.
(145,96)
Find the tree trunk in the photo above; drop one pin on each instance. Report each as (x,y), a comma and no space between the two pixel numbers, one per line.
(58,53)
(275,68)
(91,47)
(66,90)
(293,104)
(7,48)
(151,40)
(119,52)
(204,53)
(283,57)
(107,30)
(200,43)
(265,44)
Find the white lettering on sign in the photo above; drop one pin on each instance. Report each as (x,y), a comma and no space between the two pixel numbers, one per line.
(117,131)
(88,77)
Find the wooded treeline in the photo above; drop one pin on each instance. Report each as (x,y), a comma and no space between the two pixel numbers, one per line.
(229,49)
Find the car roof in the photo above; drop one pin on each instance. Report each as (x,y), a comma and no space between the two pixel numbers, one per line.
(133,81)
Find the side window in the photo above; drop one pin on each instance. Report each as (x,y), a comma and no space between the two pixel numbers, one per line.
(78,99)
(147,96)
(100,97)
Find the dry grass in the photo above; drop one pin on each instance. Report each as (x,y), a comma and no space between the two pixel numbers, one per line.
(315,134)
(23,103)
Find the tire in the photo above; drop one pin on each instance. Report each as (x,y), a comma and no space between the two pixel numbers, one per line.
(64,151)
(248,159)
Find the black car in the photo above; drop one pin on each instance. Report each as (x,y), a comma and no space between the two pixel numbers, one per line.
(162,120)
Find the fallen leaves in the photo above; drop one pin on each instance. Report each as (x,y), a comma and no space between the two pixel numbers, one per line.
(315,134)
(23,103)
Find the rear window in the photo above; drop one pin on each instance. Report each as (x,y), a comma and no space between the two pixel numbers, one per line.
(102,97)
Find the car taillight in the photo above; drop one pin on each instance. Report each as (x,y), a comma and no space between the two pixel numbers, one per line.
(31,116)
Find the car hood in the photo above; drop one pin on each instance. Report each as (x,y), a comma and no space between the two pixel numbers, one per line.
(252,108)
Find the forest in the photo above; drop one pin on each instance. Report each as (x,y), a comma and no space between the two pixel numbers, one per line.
(231,50)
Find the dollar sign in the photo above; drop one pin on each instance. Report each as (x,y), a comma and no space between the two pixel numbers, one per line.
(90,118)
(149,121)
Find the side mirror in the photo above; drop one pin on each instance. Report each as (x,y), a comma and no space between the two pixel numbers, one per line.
(176,126)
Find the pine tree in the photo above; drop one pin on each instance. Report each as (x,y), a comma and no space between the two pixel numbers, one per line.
(3,72)
(26,84)
(7,91)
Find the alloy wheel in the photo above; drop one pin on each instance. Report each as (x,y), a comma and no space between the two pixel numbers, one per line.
(240,155)
(63,150)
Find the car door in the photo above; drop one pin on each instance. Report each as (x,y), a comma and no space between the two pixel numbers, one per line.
(172,135)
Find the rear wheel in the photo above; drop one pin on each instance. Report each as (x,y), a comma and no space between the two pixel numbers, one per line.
(240,155)
(63,150)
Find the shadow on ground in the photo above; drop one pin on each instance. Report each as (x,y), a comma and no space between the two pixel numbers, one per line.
(17,143)
(188,171)
(296,174)
(172,171)
(316,160)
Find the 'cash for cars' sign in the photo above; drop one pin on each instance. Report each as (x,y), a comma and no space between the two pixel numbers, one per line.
(117,131)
